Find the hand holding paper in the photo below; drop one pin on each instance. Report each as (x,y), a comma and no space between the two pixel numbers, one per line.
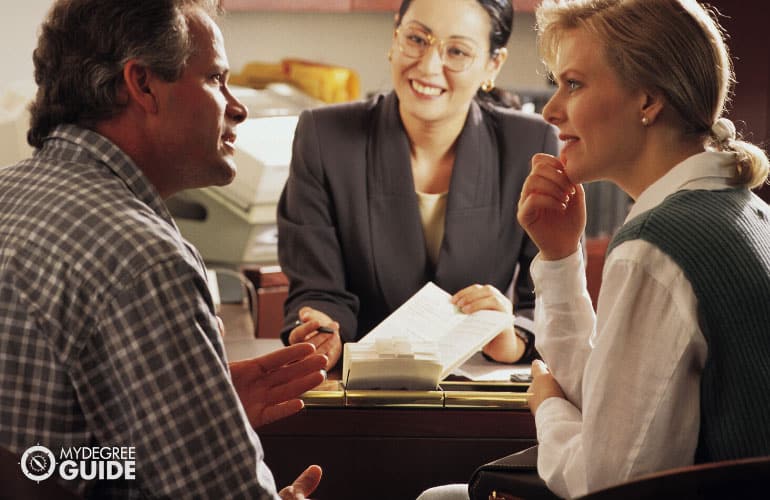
(429,316)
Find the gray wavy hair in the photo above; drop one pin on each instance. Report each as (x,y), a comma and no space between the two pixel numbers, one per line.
(83,46)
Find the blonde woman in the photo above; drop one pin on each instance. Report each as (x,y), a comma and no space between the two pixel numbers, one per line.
(673,368)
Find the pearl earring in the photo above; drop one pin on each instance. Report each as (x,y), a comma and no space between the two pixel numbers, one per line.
(645,121)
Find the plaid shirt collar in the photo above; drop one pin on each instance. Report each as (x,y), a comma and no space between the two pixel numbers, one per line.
(91,144)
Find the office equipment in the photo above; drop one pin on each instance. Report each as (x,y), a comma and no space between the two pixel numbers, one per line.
(236,224)
(391,363)
(427,322)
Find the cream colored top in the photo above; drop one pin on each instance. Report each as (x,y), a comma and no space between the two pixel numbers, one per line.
(433,215)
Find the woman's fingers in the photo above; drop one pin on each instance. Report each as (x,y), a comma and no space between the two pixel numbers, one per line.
(477,297)
(547,178)
(301,331)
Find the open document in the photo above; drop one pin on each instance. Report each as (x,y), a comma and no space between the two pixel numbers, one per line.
(420,343)
(479,369)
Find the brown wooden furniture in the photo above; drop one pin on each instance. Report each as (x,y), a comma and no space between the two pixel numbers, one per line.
(393,446)
(384,453)
(745,479)
(272,287)
(339,5)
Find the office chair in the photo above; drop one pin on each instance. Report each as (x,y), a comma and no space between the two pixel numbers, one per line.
(14,485)
(747,478)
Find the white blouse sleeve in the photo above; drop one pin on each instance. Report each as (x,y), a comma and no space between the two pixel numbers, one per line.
(638,409)
(564,320)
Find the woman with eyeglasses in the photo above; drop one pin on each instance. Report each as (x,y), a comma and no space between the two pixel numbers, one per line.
(419,184)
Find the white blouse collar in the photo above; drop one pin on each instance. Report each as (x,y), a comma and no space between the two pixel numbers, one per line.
(707,170)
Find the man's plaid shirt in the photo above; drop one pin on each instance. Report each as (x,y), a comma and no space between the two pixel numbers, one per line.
(107,329)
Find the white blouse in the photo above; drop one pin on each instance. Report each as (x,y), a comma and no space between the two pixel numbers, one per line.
(631,373)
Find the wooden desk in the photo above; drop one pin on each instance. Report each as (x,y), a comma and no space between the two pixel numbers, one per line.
(379,453)
(391,453)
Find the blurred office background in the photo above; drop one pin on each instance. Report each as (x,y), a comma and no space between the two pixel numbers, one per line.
(357,40)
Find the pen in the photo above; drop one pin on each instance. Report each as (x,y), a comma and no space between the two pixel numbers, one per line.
(320,329)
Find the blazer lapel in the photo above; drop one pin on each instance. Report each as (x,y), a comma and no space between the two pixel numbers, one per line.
(398,242)
(473,207)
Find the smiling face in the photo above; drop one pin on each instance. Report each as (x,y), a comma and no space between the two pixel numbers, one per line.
(427,90)
(599,119)
(199,114)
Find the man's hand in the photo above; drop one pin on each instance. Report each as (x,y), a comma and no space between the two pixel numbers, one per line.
(328,344)
(269,385)
(543,386)
(304,485)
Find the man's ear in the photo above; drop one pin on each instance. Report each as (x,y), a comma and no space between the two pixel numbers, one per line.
(652,105)
(139,89)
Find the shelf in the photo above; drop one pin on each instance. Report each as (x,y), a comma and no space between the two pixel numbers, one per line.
(338,5)
(284,6)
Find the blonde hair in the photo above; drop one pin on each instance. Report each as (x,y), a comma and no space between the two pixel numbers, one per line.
(674,46)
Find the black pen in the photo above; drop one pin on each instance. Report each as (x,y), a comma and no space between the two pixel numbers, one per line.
(320,329)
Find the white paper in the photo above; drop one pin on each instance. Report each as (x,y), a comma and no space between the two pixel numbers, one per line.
(478,369)
(430,316)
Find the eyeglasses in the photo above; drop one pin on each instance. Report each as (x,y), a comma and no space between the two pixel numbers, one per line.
(456,55)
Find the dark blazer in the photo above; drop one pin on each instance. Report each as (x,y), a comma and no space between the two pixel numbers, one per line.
(349,232)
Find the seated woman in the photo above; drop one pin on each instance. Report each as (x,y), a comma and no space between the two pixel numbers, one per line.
(672,370)
(420,184)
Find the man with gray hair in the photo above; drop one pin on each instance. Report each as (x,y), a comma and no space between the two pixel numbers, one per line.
(108,334)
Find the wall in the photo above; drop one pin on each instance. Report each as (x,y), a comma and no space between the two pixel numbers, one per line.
(359,41)
(18,38)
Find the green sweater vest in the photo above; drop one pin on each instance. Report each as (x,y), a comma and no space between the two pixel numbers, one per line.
(721,240)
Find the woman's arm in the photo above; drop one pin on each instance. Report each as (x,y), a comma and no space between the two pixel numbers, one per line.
(308,246)
(639,405)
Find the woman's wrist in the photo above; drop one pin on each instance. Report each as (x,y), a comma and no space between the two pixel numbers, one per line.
(507,347)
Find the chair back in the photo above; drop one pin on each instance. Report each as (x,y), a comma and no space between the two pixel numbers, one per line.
(747,478)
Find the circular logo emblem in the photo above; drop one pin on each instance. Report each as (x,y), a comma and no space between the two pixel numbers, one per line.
(38,463)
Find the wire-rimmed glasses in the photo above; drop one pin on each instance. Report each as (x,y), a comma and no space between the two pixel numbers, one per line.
(456,55)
